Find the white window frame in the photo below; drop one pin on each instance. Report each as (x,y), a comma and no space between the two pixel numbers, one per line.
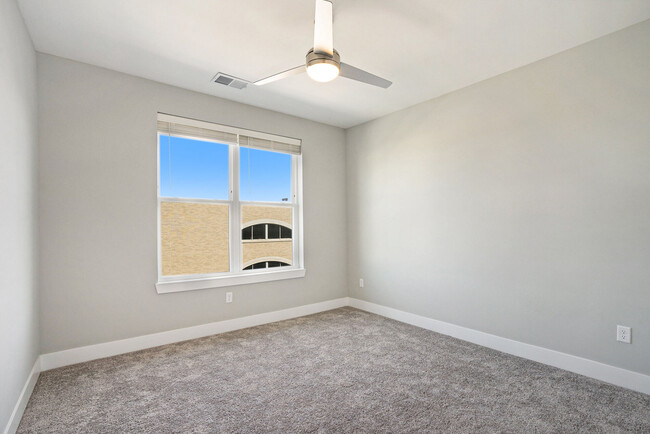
(236,276)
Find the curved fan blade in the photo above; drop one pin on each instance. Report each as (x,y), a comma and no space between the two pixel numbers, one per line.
(323,37)
(281,75)
(349,71)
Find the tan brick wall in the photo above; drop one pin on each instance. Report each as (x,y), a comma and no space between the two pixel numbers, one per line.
(252,251)
(251,213)
(194,238)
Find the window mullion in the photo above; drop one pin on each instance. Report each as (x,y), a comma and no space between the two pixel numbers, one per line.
(296,235)
(235,214)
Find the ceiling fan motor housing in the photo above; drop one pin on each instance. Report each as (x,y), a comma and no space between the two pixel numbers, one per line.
(313,58)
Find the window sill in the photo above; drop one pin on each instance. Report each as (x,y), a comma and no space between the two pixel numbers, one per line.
(231,280)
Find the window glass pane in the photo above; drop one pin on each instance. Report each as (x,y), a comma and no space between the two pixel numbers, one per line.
(285,232)
(260,250)
(193,168)
(264,176)
(194,238)
(274,231)
(247,233)
(259,232)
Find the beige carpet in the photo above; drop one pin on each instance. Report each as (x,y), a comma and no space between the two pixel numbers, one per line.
(339,371)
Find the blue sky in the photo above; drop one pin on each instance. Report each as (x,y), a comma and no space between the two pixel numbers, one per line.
(196,169)
(264,176)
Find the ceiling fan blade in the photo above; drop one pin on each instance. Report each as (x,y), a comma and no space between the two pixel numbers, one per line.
(288,73)
(349,71)
(323,36)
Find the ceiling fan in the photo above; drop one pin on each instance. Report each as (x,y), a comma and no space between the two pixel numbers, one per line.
(323,62)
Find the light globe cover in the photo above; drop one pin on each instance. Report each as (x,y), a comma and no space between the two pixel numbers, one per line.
(322,72)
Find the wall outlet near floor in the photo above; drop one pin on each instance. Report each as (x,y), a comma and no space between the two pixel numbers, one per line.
(623,334)
(360,283)
(228,297)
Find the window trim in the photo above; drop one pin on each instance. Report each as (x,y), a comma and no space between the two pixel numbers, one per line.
(179,283)
(244,278)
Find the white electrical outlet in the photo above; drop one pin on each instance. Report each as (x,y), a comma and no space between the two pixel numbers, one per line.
(360,283)
(228,297)
(623,334)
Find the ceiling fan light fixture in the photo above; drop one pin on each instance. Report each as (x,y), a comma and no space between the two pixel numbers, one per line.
(323,67)
(322,72)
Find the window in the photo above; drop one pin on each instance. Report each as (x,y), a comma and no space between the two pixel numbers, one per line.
(265,264)
(229,205)
(266,231)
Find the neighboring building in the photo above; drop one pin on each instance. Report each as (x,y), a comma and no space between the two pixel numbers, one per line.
(266,236)
(194,237)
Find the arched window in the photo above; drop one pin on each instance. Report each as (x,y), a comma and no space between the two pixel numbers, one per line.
(266,231)
(266,264)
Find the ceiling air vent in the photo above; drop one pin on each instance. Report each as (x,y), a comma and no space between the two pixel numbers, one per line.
(230,81)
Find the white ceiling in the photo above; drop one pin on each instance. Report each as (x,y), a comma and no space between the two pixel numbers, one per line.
(427,48)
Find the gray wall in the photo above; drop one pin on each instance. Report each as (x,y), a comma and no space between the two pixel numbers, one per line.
(97,208)
(519,206)
(18,289)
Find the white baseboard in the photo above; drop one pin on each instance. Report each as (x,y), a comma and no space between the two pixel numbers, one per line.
(107,349)
(589,368)
(23,399)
